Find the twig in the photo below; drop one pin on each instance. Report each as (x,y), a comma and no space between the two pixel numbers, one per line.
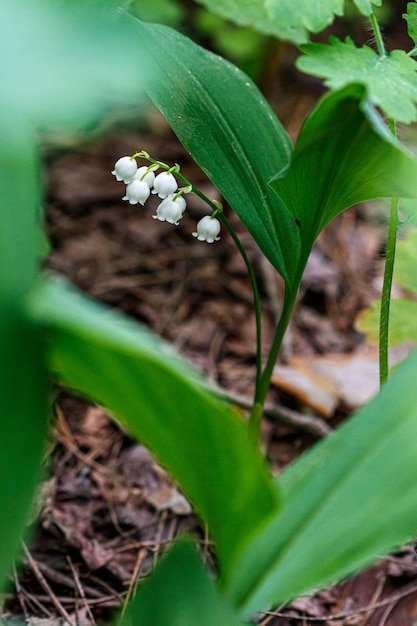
(139,561)
(20,594)
(278,413)
(158,538)
(65,580)
(370,607)
(108,601)
(42,581)
(80,589)
(375,597)
(35,601)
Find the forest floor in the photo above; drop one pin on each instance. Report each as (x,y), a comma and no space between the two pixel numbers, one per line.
(106,511)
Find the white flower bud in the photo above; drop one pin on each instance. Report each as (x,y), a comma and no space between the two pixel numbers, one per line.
(165,184)
(125,169)
(137,192)
(148,178)
(169,211)
(207,229)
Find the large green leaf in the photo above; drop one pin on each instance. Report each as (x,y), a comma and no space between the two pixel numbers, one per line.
(66,61)
(229,129)
(291,20)
(344,155)
(390,81)
(180,593)
(349,500)
(159,399)
(23,381)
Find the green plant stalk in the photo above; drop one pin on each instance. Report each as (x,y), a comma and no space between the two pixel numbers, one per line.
(251,274)
(232,233)
(386,292)
(391,245)
(379,42)
(265,379)
(255,295)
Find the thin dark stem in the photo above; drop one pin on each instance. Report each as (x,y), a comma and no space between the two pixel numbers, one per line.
(219,213)
(255,294)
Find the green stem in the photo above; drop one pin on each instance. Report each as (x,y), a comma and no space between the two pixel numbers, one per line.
(386,292)
(391,245)
(232,233)
(251,274)
(380,46)
(265,379)
(255,294)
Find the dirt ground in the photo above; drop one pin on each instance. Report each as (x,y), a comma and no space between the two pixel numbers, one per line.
(106,511)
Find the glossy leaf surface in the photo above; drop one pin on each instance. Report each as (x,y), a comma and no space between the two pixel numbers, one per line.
(180,593)
(344,503)
(229,129)
(159,398)
(344,155)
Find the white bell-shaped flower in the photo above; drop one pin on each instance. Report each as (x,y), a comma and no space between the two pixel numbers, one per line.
(180,201)
(147,177)
(207,229)
(165,184)
(137,192)
(169,211)
(125,169)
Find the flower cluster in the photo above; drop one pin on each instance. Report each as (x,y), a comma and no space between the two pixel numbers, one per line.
(142,181)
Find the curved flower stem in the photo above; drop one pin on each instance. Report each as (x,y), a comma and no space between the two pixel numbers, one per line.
(217,209)
(251,274)
(255,294)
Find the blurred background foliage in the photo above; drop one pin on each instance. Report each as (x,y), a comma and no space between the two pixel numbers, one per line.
(255,53)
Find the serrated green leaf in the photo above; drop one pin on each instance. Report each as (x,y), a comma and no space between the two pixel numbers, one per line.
(179,593)
(344,155)
(391,81)
(162,402)
(345,503)
(290,20)
(411,18)
(229,129)
(365,6)
(402,322)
